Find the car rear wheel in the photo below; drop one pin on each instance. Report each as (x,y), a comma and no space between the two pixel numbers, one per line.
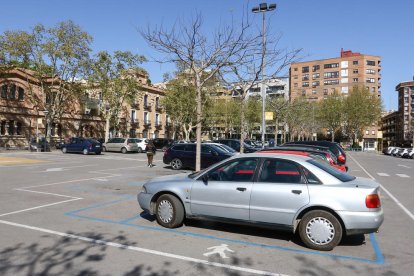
(176,164)
(124,150)
(170,211)
(320,230)
(139,150)
(85,151)
(64,150)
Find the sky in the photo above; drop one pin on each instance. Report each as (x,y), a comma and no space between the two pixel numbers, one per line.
(320,27)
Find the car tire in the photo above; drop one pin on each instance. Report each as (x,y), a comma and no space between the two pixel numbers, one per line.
(98,153)
(139,150)
(104,149)
(64,150)
(85,151)
(169,211)
(164,148)
(124,150)
(327,230)
(176,164)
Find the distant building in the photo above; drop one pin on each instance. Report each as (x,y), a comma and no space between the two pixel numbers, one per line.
(406,111)
(274,87)
(389,126)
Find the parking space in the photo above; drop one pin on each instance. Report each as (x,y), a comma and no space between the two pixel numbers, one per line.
(86,205)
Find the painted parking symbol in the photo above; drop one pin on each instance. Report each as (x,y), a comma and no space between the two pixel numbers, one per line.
(219,249)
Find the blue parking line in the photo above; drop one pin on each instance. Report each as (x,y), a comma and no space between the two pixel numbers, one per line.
(130,219)
(379,257)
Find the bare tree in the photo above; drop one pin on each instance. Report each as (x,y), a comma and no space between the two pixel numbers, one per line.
(202,54)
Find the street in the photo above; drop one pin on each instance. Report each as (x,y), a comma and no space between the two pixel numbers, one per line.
(78,215)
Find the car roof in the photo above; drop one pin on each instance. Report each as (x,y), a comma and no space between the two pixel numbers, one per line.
(297,158)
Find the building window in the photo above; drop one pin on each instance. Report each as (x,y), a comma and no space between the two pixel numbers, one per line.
(315,76)
(145,118)
(344,64)
(325,92)
(370,80)
(305,84)
(295,77)
(355,79)
(315,83)
(370,71)
(12,92)
(355,62)
(305,77)
(145,134)
(373,132)
(157,101)
(145,100)
(314,92)
(4,89)
(366,132)
(21,94)
(305,69)
(133,116)
(331,82)
(372,89)
(331,65)
(295,69)
(3,128)
(11,127)
(344,89)
(371,62)
(132,133)
(315,68)
(331,75)
(355,71)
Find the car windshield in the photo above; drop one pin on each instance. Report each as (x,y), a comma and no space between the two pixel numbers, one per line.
(93,141)
(225,148)
(344,177)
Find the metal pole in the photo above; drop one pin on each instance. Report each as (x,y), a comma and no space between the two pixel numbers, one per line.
(107,127)
(263,81)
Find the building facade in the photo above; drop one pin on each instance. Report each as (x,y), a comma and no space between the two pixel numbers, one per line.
(406,112)
(389,125)
(23,111)
(315,80)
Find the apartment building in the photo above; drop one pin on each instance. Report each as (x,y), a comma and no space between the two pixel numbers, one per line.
(406,111)
(389,125)
(23,108)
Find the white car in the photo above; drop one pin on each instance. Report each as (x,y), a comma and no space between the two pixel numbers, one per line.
(142,144)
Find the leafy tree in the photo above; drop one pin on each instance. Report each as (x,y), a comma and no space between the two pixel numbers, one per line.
(114,77)
(280,107)
(56,56)
(361,109)
(330,113)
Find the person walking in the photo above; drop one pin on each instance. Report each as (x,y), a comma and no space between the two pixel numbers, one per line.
(150,149)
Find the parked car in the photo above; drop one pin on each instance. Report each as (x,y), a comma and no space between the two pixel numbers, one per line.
(289,192)
(141,143)
(334,147)
(403,152)
(41,145)
(252,144)
(162,143)
(83,145)
(235,144)
(321,153)
(411,154)
(389,150)
(119,144)
(395,151)
(184,155)
(224,147)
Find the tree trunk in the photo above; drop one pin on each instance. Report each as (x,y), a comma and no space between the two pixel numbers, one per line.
(242,128)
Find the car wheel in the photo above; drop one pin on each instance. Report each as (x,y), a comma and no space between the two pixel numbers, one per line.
(164,148)
(98,153)
(139,150)
(320,230)
(124,150)
(176,164)
(104,149)
(64,150)
(170,211)
(85,151)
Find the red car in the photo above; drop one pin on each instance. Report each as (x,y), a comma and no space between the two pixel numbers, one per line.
(325,156)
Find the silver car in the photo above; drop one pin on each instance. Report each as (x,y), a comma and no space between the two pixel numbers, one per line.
(294,193)
(119,144)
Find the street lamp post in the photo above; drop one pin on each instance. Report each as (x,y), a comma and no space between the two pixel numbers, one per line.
(46,126)
(107,108)
(263,8)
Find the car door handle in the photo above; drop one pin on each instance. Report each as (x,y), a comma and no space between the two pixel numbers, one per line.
(297,192)
(241,189)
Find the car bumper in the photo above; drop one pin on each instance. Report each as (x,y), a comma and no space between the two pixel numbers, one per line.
(144,201)
(362,222)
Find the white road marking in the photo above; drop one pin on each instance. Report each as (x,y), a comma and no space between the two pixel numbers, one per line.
(54,170)
(383,174)
(66,168)
(219,249)
(142,250)
(38,207)
(399,165)
(385,190)
(402,175)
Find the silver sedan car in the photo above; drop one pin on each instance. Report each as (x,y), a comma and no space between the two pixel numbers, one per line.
(287,192)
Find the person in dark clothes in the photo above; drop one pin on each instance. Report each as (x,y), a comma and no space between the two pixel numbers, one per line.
(150,149)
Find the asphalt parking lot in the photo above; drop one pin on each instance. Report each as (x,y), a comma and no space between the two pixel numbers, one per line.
(77,215)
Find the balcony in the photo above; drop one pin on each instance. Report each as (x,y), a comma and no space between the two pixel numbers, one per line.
(158,108)
(147,123)
(147,106)
(134,123)
(135,105)
(158,124)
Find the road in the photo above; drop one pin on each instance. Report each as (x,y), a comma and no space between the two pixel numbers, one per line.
(69,214)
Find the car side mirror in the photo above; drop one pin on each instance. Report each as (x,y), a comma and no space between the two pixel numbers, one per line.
(205,178)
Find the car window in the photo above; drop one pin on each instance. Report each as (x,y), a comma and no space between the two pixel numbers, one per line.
(240,170)
(342,176)
(110,140)
(312,179)
(206,149)
(179,147)
(280,171)
(191,148)
(226,148)
(219,149)
(138,140)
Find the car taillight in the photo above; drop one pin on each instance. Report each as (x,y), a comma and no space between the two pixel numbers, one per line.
(341,158)
(167,152)
(372,201)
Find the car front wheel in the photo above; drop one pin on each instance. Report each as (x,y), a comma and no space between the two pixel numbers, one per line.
(170,211)
(124,150)
(64,150)
(176,164)
(139,150)
(85,151)
(320,230)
